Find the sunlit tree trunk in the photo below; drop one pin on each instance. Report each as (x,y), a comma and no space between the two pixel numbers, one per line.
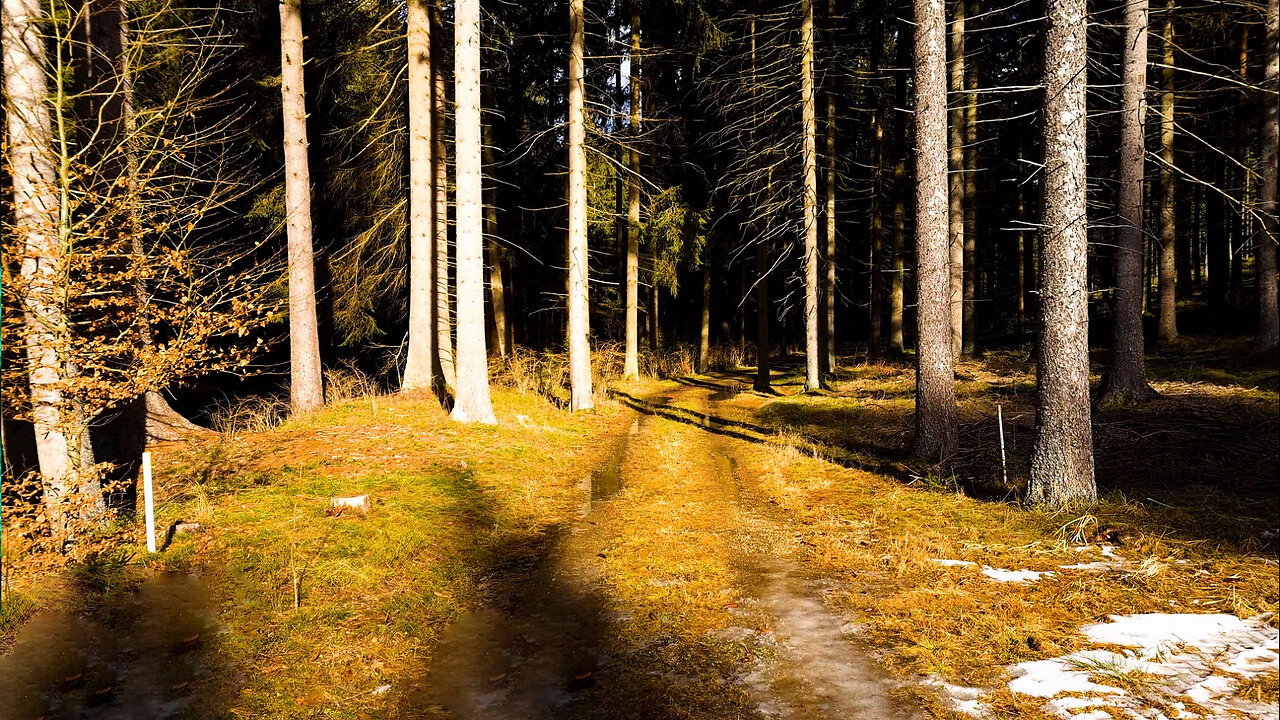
(440,218)
(306,384)
(1062,458)
(63,452)
(969,339)
(898,280)
(829,268)
(762,382)
(935,415)
(1268,334)
(1127,381)
(419,364)
(579,320)
(471,391)
(1168,314)
(495,255)
(808,160)
(704,337)
(631,364)
(955,181)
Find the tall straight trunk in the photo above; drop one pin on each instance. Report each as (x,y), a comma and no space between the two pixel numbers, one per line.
(1218,263)
(898,280)
(935,416)
(471,392)
(306,388)
(1022,249)
(440,165)
(631,365)
(968,344)
(829,275)
(1268,334)
(955,180)
(762,382)
(63,452)
(809,166)
(1127,382)
(420,360)
(579,329)
(1240,220)
(655,331)
(704,336)
(495,256)
(1062,458)
(875,336)
(1168,314)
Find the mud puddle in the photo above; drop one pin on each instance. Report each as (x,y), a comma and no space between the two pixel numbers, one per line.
(144,655)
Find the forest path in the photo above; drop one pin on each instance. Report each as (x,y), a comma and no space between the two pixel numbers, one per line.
(675,595)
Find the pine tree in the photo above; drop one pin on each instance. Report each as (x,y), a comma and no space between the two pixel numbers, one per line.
(579,319)
(419,365)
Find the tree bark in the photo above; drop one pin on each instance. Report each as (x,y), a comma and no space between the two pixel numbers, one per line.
(1127,382)
(1168,314)
(631,365)
(495,255)
(809,166)
(898,280)
(1268,334)
(420,360)
(935,415)
(829,276)
(63,452)
(471,395)
(306,383)
(579,329)
(1062,458)
(704,336)
(969,345)
(445,370)
(955,179)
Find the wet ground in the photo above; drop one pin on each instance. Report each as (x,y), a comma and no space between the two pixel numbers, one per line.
(540,650)
(142,654)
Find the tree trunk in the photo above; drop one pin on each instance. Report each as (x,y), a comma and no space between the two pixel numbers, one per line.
(63,452)
(955,181)
(631,366)
(1062,459)
(579,329)
(829,277)
(495,255)
(898,280)
(969,344)
(655,331)
(1168,315)
(1268,334)
(440,218)
(306,383)
(419,363)
(809,167)
(935,416)
(471,392)
(704,337)
(1127,382)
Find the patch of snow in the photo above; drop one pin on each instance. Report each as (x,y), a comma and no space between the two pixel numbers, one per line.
(1093,715)
(955,563)
(1018,576)
(1195,657)
(961,699)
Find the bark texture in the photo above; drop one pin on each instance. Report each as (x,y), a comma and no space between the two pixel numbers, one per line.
(1268,334)
(969,312)
(579,330)
(955,181)
(306,387)
(63,452)
(631,364)
(420,359)
(809,165)
(471,396)
(1127,382)
(829,268)
(1062,458)
(1168,313)
(440,219)
(935,416)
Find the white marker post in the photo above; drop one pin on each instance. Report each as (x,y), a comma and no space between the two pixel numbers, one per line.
(148,499)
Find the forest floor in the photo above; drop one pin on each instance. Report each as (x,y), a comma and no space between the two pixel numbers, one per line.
(693,549)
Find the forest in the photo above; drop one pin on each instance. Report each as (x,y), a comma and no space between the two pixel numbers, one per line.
(661,359)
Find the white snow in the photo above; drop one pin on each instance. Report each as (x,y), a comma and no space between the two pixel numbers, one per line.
(959,698)
(1018,576)
(956,563)
(1184,656)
